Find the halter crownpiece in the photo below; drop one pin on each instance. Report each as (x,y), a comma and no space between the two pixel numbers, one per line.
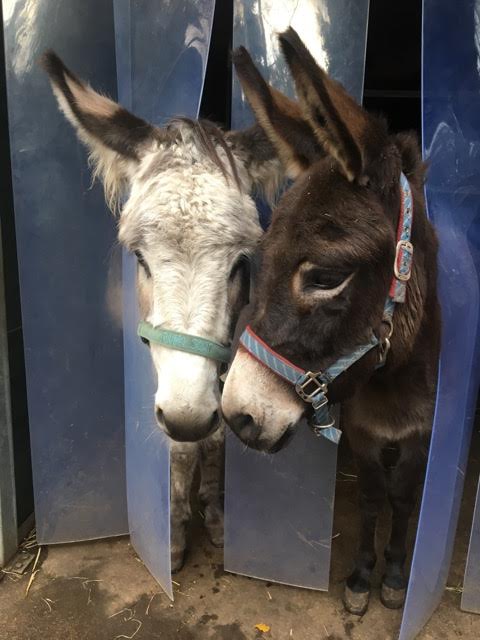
(312,387)
(184,342)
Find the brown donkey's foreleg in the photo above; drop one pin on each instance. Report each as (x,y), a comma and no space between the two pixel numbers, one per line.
(372,486)
(403,479)
(183,461)
(212,465)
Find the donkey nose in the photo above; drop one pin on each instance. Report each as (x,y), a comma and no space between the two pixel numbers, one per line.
(187,428)
(244,426)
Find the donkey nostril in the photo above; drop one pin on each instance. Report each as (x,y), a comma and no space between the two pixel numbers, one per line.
(245,427)
(159,415)
(214,419)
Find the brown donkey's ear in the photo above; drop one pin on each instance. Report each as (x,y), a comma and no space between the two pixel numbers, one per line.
(115,138)
(279,116)
(343,128)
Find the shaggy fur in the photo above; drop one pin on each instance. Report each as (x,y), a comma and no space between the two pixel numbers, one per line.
(326,267)
(190,218)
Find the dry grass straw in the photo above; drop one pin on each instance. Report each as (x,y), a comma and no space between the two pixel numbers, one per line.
(34,571)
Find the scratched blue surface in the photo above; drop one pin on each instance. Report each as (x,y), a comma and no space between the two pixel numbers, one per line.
(162,51)
(70,279)
(451,131)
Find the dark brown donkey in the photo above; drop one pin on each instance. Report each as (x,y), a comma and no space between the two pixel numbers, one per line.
(327,264)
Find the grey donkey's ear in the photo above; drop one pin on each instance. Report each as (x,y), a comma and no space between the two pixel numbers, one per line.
(116,139)
(259,158)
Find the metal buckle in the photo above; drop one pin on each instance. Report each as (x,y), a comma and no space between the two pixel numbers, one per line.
(389,322)
(385,342)
(318,428)
(403,247)
(384,349)
(318,405)
(302,387)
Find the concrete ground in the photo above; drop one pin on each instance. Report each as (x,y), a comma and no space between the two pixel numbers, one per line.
(102,591)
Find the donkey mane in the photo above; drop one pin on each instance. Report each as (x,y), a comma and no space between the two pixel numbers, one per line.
(254,148)
(207,137)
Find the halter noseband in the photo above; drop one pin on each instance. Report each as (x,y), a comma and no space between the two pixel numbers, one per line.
(184,342)
(312,387)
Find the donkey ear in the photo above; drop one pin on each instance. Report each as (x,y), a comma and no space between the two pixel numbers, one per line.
(115,138)
(341,126)
(259,158)
(279,117)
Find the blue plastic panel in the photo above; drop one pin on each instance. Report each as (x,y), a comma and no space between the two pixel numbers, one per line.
(451,133)
(471,585)
(69,277)
(162,51)
(8,511)
(279,509)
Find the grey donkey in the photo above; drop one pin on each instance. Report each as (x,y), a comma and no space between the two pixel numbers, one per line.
(188,213)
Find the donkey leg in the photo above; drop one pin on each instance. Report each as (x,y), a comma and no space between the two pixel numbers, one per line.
(402,482)
(371,478)
(212,458)
(183,461)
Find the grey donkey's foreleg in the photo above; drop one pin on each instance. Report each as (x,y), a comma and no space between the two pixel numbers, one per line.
(184,458)
(212,465)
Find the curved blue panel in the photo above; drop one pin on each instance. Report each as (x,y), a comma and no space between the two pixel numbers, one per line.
(70,279)
(8,512)
(451,128)
(471,585)
(295,487)
(162,51)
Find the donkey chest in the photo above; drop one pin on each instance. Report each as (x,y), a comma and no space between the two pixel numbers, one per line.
(390,412)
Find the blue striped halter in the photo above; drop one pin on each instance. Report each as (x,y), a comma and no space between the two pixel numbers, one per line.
(312,387)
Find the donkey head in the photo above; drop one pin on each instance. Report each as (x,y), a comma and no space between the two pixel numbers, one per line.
(188,216)
(327,259)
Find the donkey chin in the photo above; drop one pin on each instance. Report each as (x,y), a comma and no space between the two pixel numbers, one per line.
(258,407)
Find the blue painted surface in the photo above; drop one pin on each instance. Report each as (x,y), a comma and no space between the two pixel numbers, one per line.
(162,51)
(70,277)
(8,512)
(471,585)
(279,509)
(451,132)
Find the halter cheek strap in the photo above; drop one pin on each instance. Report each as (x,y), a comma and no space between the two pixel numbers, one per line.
(184,342)
(402,266)
(312,387)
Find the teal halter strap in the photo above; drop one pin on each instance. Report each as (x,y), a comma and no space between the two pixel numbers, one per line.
(184,342)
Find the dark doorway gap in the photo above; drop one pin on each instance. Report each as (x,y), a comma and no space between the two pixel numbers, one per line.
(18,387)
(393,63)
(217,91)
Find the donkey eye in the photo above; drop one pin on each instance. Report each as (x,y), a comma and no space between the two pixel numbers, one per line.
(323,279)
(241,269)
(142,263)
(239,286)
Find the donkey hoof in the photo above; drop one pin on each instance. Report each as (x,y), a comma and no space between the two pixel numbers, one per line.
(356,602)
(177,560)
(216,539)
(392,598)
(215,534)
(214,525)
